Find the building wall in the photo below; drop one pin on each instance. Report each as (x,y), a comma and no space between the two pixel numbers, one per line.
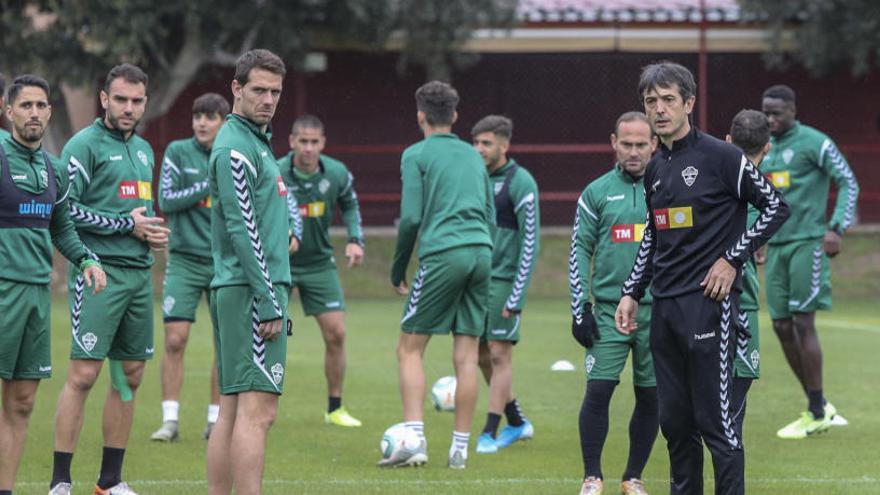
(563,106)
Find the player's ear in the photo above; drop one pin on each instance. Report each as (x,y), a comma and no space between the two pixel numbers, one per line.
(613,140)
(105,99)
(291,140)
(454,116)
(689,103)
(766,148)
(728,138)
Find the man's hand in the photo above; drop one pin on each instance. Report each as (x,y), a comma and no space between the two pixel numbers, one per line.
(95,278)
(761,255)
(354,253)
(625,316)
(142,223)
(508,313)
(716,284)
(157,237)
(402,289)
(831,243)
(585,332)
(270,330)
(294,243)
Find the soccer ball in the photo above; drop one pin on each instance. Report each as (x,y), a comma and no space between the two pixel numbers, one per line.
(397,438)
(443,394)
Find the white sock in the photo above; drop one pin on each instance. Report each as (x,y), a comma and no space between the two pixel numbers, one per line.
(459,443)
(416,426)
(213,412)
(170,410)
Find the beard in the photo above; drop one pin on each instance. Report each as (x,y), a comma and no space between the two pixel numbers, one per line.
(30,134)
(114,121)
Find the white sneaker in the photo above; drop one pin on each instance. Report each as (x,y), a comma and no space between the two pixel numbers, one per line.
(60,489)
(121,489)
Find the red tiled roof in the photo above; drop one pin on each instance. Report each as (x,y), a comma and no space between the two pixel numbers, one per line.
(652,11)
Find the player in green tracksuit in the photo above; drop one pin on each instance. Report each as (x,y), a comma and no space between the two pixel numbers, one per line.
(111,203)
(184,199)
(34,215)
(447,203)
(801,164)
(3,132)
(250,222)
(605,239)
(750,131)
(516,243)
(320,184)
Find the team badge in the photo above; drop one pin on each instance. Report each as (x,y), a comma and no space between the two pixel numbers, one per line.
(143,158)
(168,304)
(689,175)
(89,340)
(277,373)
(787,155)
(323,186)
(498,187)
(755,357)
(590,362)
(44,178)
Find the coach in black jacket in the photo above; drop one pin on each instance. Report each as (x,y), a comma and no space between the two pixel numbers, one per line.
(693,249)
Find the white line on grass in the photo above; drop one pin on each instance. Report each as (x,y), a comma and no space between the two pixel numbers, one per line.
(848,325)
(471,482)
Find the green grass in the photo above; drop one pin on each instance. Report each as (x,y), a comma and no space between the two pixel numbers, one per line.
(305,456)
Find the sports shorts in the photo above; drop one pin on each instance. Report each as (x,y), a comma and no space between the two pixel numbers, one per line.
(319,292)
(25,331)
(797,278)
(450,293)
(747,363)
(500,328)
(118,322)
(186,279)
(607,357)
(245,361)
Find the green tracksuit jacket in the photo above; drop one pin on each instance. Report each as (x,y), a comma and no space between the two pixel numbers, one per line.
(249,215)
(184,199)
(801,164)
(27,252)
(517,235)
(317,198)
(109,177)
(446,200)
(605,239)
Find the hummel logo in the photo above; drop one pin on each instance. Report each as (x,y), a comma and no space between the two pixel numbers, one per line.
(148,350)
(19,177)
(191,170)
(704,336)
(615,198)
(45,368)
(263,153)
(115,158)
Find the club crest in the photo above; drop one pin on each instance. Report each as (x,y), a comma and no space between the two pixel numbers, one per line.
(168,304)
(689,175)
(89,340)
(143,158)
(590,362)
(498,187)
(755,358)
(324,186)
(277,373)
(787,155)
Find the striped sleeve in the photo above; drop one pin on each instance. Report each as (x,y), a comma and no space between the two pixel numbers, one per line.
(753,187)
(833,162)
(235,179)
(528,217)
(173,196)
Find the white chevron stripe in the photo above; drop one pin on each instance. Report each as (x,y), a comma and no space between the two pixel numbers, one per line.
(119,224)
(642,258)
(843,169)
(727,419)
(415,293)
(259,355)
(74,166)
(767,215)
(574,279)
(243,195)
(76,312)
(527,258)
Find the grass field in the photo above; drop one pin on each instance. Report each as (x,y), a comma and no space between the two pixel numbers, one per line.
(305,456)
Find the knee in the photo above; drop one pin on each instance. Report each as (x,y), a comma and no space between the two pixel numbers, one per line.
(83,379)
(783,329)
(465,359)
(20,407)
(175,342)
(134,373)
(501,360)
(335,336)
(599,392)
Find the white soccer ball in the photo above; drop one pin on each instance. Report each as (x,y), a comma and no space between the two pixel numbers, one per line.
(443,394)
(397,438)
